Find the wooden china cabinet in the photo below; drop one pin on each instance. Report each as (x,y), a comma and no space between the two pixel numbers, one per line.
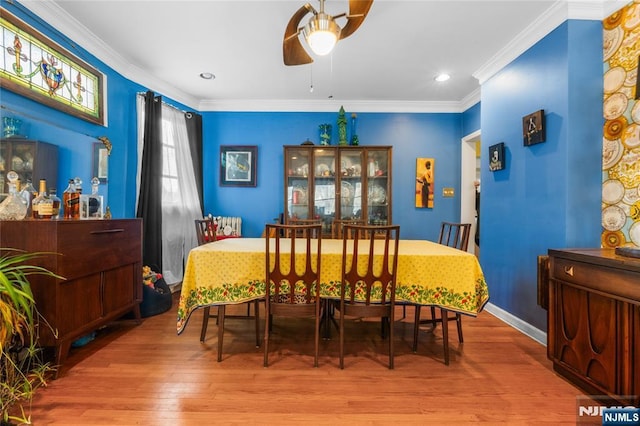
(337,182)
(31,159)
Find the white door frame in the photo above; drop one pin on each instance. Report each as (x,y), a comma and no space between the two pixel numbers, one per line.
(467,189)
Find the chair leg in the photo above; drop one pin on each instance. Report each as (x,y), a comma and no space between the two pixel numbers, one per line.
(341,338)
(416,328)
(459,323)
(257,315)
(317,335)
(267,328)
(205,322)
(390,320)
(221,310)
(445,334)
(433,317)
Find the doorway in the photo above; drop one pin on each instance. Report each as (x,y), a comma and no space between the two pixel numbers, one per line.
(469,172)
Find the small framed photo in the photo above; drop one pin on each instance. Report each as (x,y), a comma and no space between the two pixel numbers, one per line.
(238,165)
(91,206)
(100,162)
(533,128)
(496,157)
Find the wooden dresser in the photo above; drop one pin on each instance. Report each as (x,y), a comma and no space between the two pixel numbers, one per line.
(594,321)
(102,263)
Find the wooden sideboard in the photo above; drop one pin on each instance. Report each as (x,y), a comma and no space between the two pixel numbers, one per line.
(101,261)
(594,321)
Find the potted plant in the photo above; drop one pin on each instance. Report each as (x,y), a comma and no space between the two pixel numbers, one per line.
(22,369)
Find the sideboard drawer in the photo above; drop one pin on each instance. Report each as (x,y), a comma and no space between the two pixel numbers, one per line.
(101,245)
(615,282)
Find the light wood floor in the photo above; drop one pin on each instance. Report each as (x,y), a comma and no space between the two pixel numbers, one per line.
(148,375)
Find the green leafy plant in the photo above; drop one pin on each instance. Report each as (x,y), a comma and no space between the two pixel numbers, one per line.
(22,369)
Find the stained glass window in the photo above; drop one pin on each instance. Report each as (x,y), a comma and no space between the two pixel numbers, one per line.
(36,67)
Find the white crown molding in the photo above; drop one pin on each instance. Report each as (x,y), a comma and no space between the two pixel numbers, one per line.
(331,105)
(547,22)
(470,100)
(59,19)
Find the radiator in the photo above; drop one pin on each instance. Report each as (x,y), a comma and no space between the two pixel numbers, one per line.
(228,225)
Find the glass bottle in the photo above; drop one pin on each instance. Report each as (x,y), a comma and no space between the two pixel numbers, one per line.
(71,201)
(28,193)
(53,194)
(78,183)
(42,205)
(13,207)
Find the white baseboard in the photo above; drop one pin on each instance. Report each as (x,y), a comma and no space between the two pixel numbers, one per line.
(515,322)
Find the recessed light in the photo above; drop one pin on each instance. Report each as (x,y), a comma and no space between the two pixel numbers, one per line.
(442,77)
(207,75)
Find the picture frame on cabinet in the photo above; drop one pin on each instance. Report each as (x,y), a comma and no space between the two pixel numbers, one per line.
(238,165)
(100,162)
(496,157)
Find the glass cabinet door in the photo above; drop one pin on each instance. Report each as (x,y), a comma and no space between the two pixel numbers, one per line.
(351,184)
(297,163)
(378,186)
(324,187)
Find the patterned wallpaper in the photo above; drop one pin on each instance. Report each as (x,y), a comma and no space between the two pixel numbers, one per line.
(621,132)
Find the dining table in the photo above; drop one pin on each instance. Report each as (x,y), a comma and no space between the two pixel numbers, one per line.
(232,271)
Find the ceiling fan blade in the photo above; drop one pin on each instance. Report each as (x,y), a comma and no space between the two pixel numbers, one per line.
(358,10)
(293,52)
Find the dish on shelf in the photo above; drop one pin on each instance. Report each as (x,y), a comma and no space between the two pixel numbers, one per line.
(613,218)
(377,194)
(323,170)
(347,193)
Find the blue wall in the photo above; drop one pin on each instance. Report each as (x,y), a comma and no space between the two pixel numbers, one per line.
(471,119)
(411,135)
(549,194)
(547,197)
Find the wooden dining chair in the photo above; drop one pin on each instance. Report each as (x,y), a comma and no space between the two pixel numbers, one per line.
(454,235)
(337,227)
(376,285)
(297,221)
(205,231)
(292,277)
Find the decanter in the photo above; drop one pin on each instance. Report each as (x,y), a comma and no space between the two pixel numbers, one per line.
(13,207)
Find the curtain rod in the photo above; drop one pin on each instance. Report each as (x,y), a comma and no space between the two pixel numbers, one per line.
(169,105)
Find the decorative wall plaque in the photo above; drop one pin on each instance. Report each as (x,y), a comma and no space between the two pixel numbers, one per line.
(533,128)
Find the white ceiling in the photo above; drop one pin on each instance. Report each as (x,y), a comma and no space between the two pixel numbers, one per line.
(388,64)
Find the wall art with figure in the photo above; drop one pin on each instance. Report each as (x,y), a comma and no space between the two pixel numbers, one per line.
(425,182)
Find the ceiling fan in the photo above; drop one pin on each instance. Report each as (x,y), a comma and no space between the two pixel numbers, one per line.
(321,32)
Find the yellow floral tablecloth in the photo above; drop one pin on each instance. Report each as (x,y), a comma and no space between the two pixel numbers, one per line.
(232,271)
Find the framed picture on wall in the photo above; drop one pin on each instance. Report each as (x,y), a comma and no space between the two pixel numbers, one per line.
(496,157)
(425,179)
(533,128)
(238,165)
(100,162)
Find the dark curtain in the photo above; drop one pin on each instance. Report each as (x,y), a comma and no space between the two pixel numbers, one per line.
(150,199)
(194,132)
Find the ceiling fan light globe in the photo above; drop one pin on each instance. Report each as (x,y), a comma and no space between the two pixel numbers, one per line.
(321,34)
